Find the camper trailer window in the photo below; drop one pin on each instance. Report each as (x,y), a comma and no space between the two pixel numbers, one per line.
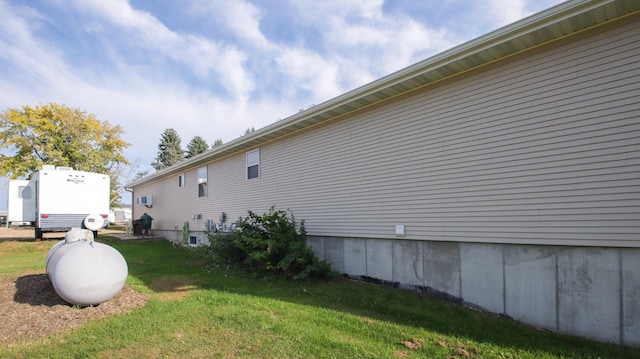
(24,192)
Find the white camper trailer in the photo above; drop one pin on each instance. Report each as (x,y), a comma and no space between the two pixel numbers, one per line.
(60,198)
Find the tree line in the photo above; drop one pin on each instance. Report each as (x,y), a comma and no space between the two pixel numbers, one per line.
(170,149)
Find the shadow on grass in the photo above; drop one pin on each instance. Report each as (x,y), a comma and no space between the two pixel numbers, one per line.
(167,269)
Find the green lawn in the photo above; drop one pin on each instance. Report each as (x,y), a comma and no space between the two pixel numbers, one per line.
(197,310)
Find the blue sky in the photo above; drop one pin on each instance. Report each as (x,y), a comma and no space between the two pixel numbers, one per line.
(217,67)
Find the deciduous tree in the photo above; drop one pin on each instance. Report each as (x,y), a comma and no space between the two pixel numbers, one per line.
(59,135)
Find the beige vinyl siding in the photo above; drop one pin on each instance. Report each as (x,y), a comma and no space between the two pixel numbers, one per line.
(173,205)
(226,185)
(541,148)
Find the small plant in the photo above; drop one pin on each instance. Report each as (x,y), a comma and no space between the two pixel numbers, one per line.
(270,243)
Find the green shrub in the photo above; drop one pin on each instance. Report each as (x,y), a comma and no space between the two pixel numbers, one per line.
(269,243)
(223,249)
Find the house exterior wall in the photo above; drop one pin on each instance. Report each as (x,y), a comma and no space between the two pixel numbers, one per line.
(540,149)
(518,185)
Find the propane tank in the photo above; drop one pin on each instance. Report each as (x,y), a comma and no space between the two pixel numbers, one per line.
(84,272)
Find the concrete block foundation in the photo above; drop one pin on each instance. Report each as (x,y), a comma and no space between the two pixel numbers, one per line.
(585,291)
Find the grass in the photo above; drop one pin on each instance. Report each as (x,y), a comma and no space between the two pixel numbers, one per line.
(198,310)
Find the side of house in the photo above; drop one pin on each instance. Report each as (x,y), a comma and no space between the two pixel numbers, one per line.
(510,181)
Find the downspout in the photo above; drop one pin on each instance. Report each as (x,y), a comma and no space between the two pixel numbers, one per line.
(132,204)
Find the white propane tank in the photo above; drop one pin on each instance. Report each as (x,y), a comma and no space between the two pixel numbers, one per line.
(84,272)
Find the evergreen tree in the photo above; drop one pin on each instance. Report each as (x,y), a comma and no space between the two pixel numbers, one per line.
(216,143)
(196,146)
(169,150)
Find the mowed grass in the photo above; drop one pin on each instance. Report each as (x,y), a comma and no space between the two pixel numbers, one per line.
(197,310)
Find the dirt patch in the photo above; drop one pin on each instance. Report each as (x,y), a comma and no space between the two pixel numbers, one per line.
(17,233)
(30,308)
(172,289)
(28,233)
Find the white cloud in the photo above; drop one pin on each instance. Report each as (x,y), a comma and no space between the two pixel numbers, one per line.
(240,17)
(121,13)
(355,42)
(34,60)
(208,59)
(320,12)
(503,12)
(308,71)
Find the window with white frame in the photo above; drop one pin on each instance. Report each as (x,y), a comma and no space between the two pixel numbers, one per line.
(253,164)
(202,181)
(181,180)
